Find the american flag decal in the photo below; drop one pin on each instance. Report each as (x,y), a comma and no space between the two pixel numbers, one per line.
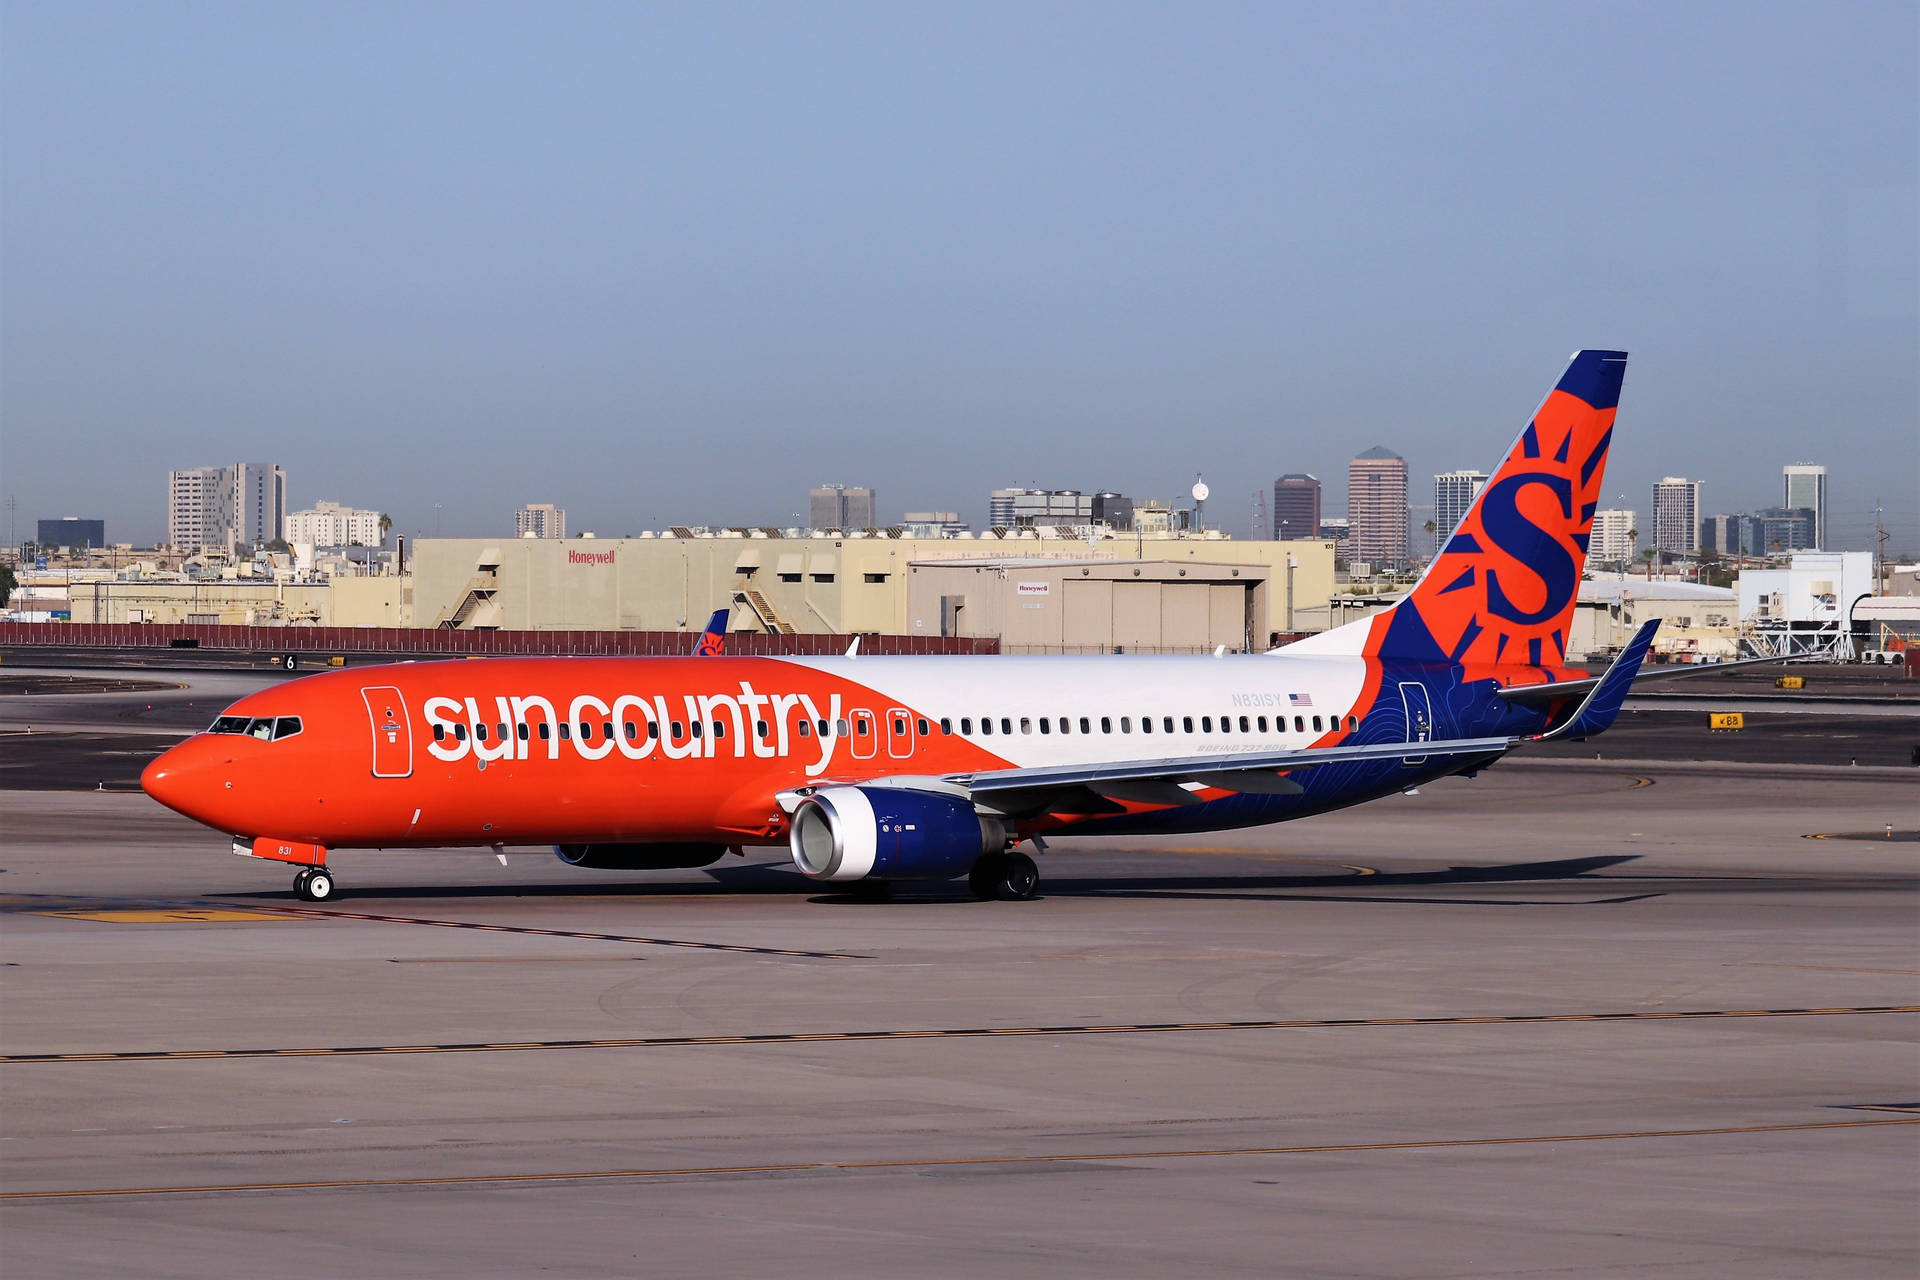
(1300,699)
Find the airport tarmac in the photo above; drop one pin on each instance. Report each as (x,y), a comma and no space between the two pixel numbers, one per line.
(1569,1018)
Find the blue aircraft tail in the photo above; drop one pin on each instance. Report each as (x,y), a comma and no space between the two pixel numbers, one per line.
(713,641)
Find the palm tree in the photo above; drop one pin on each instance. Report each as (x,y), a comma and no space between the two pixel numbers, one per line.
(1633,546)
(1649,555)
(386,526)
(1431,539)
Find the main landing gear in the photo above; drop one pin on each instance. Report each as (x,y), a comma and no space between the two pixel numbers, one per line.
(1010,877)
(314,884)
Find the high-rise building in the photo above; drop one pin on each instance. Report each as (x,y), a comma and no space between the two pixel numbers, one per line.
(225,507)
(1453,495)
(1612,538)
(194,518)
(1805,485)
(835,506)
(259,503)
(72,531)
(1296,507)
(1784,529)
(1377,508)
(1676,515)
(540,520)
(1114,510)
(1024,508)
(328,524)
(1737,534)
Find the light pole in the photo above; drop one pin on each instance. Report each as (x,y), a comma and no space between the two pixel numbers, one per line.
(1291,562)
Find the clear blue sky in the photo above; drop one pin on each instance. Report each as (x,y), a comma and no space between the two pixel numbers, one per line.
(675,264)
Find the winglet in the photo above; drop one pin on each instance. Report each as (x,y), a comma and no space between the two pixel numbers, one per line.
(1597,712)
(713,641)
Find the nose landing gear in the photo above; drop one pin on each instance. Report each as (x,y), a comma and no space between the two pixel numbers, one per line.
(314,884)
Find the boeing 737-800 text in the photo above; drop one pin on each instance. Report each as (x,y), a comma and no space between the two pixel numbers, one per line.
(930,768)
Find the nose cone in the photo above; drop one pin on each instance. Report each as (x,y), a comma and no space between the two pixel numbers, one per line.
(174,780)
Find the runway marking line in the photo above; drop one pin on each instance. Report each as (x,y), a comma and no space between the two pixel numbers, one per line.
(951,1033)
(950,1162)
(323,913)
(171,915)
(1906,1108)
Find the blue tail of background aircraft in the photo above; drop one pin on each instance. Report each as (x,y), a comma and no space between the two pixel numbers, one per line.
(713,641)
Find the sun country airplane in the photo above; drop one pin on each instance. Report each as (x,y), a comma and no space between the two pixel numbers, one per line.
(878,769)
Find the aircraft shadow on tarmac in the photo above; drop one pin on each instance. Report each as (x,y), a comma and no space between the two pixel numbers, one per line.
(775,878)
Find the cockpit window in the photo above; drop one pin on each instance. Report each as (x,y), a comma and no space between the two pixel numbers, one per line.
(264,728)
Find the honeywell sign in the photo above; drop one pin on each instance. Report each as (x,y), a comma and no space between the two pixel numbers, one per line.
(1033,588)
(589,557)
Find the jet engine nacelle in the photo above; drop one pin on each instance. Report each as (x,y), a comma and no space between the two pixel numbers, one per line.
(638,857)
(891,833)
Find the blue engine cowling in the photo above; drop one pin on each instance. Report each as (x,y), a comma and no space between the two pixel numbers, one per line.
(890,833)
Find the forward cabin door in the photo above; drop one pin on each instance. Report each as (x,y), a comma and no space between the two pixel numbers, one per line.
(392,735)
(1419,710)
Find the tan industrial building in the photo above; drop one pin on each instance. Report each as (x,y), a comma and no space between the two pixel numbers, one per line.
(1081,606)
(842,584)
(336,602)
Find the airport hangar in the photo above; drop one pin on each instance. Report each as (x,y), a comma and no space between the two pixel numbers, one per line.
(1166,594)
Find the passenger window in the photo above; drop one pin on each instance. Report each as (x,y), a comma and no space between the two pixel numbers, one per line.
(1146,724)
(760,727)
(1186,724)
(719,728)
(480,733)
(824,728)
(586,731)
(1299,724)
(1043,725)
(1006,725)
(1126,724)
(1106,724)
(1243,724)
(633,730)
(1316,724)
(1206,724)
(923,728)
(1066,725)
(946,725)
(520,731)
(1353,722)
(544,731)
(502,729)
(566,731)
(653,731)
(1026,725)
(439,733)
(806,728)
(697,728)
(966,726)
(863,726)
(606,727)
(986,725)
(285,727)
(1263,724)
(841,728)
(1086,725)
(459,733)
(899,726)
(679,730)
(1166,724)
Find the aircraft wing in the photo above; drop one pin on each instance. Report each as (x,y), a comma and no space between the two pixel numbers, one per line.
(1174,779)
